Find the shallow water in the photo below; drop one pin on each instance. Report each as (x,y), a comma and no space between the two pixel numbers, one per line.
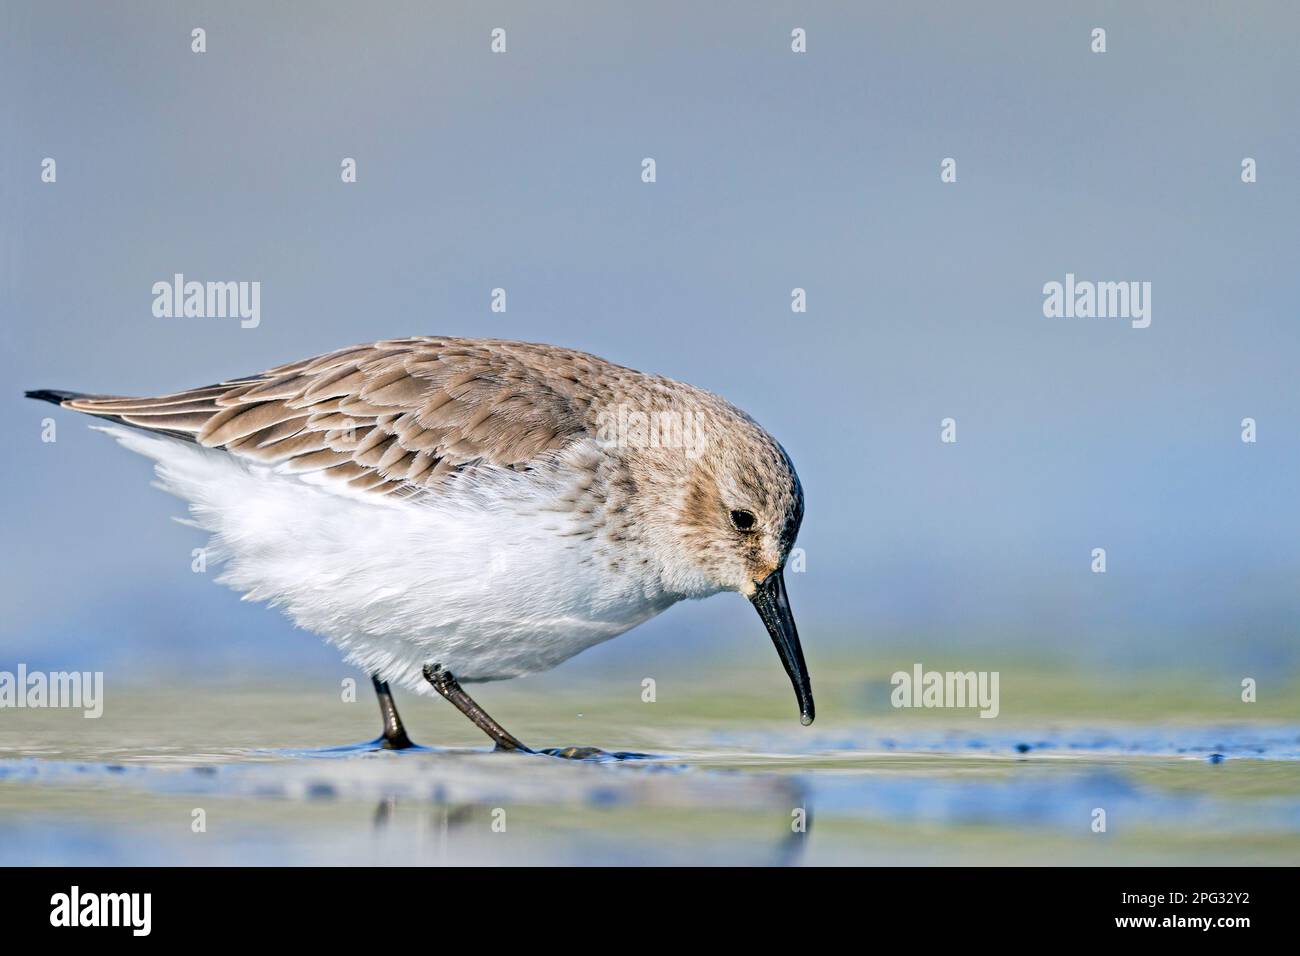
(1181,781)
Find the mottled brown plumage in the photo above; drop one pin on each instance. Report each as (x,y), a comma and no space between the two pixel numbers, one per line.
(399,417)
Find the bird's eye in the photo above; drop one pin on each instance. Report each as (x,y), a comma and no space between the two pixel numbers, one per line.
(742,520)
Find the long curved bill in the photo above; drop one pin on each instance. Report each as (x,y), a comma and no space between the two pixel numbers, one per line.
(774,608)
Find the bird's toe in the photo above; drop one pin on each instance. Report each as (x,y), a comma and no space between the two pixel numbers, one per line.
(575,753)
(591,753)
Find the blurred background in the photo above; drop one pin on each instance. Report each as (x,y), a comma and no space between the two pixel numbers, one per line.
(774,171)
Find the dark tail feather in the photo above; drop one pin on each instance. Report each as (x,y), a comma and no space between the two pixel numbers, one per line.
(58,396)
(55,395)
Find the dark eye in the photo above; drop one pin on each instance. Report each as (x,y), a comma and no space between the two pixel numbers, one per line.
(743,520)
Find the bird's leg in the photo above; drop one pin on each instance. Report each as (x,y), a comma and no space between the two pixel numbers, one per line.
(394,736)
(447,685)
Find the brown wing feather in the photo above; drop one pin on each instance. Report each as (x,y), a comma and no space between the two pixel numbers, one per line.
(392,417)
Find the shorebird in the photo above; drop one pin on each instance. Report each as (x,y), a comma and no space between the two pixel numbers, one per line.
(449,510)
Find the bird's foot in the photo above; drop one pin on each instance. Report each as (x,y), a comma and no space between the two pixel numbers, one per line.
(371,746)
(396,742)
(517,748)
(591,753)
(575,753)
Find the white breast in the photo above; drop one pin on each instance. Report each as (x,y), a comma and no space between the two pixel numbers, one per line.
(493,583)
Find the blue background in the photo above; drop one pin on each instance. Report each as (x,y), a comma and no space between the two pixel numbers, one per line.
(775,170)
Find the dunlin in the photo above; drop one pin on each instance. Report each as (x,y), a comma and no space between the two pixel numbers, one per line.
(450,510)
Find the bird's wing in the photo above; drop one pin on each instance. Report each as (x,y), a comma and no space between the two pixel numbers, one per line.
(393,417)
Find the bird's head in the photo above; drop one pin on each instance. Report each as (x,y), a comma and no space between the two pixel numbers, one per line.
(740,505)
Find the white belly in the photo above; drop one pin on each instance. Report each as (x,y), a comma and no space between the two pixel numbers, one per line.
(489,587)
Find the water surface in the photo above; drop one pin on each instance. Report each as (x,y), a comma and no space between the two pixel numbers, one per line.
(1182,778)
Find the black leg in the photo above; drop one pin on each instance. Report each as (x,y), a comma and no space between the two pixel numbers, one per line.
(394,736)
(447,685)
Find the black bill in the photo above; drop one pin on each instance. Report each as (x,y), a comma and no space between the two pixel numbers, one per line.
(774,608)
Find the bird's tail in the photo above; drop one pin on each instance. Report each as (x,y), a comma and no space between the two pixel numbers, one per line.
(55,395)
(110,408)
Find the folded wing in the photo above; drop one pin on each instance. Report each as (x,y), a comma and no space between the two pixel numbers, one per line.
(394,417)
